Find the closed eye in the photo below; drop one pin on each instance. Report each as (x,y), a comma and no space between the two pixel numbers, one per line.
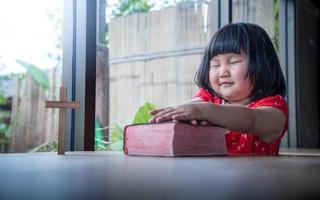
(235,62)
(214,66)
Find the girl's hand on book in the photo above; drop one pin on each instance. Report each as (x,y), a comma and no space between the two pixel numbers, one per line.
(162,115)
(185,112)
(159,112)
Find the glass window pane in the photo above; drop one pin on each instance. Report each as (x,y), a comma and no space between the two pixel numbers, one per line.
(30,73)
(153,53)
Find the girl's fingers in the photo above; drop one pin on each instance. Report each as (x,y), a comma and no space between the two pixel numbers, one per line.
(166,116)
(203,123)
(164,111)
(194,122)
(152,120)
(163,119)
(156,111)
(181,116)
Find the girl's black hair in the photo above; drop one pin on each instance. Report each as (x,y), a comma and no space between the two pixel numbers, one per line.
(264,69)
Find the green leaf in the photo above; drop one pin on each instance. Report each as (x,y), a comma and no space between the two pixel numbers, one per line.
(3,98)
(127,7)
(37,74)
(116,134)
(100,142)
(143,114)
(117,146)
(99,139)
(98,133)
(101,148)
(5,125)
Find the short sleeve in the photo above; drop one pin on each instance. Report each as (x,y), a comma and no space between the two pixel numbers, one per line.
(207,96)
(275,101)
(278,102)
(239,143)
(203,94)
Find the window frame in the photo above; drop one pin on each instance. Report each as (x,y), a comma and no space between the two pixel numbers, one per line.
(79,71)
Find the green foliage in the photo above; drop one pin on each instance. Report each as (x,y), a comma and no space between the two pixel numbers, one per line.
(51,146)
(127,7)
(37,74)
(117,132)
(5,130)
(98,132)
(143,114)
(3,98)
(99,142)
(116,138)
(5,126)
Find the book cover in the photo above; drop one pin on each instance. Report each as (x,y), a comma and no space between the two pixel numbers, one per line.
(174,139)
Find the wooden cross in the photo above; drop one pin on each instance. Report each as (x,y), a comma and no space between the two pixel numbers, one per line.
(63,104)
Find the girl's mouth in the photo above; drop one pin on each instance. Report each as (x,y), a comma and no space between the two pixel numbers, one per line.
(226,83)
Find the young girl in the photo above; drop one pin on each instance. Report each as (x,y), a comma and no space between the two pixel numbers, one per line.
(242,88)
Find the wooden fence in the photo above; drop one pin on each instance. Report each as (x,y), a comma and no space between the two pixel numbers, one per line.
(153,58)
(33,124)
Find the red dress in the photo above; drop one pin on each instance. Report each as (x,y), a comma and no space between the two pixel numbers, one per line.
(239,143)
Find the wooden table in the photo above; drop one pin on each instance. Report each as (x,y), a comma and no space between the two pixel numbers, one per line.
(110,175)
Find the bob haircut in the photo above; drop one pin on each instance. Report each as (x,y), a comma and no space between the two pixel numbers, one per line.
(264,70)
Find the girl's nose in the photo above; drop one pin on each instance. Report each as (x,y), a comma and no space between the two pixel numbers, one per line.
(224,72)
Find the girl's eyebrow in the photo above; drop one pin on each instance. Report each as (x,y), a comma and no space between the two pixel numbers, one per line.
(214,59)
(235,55)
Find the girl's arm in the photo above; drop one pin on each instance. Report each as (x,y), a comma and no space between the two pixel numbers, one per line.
(162,110)
(266,122)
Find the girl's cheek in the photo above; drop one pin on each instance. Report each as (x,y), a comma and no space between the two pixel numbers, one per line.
(214,82)
(213,76)
(210,76)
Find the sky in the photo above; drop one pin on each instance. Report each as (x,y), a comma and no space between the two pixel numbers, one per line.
(26,34)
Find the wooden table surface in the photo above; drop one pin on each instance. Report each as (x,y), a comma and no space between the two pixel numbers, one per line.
(112,175)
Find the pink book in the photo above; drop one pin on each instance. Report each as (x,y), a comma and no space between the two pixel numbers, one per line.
(174,139)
